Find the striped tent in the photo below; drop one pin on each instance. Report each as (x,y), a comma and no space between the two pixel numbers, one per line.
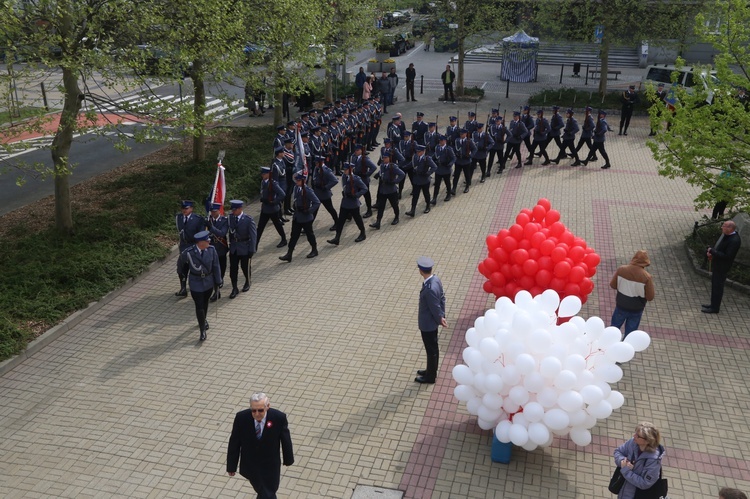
(519,58)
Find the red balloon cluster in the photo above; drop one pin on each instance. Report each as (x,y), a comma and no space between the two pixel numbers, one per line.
(537,253)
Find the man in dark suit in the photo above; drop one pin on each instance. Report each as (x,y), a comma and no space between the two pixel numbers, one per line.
(722,256)
(256,436)
(431,316)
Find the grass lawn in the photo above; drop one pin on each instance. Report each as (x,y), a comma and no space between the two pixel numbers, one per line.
(570,97)
(124,220)
(25,112)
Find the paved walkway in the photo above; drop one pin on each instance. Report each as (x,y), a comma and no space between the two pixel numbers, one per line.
(129,403)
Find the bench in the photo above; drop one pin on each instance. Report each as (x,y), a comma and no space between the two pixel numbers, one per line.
(593,72)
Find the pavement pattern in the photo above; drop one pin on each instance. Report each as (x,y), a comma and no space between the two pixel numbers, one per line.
(128,403)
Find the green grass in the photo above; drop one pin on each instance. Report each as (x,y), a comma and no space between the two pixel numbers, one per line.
(570,97)
(46,276)
(24,112)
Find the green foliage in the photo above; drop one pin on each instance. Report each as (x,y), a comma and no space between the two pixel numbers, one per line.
(707,235)
(571,97)
(474,91)
(48,276)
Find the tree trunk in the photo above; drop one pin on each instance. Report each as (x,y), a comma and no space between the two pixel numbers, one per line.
(278,108)
(460,75)
(605,65)
(330,75)
(199,112)
(61,150)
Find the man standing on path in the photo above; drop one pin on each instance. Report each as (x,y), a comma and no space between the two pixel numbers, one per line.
(243,240)
(448,77)
(200,264)
(431,316)
(411,75)
(721,257)
(257,434)
(393,80)
(359,80)
(634,288)
(188,225)
(629,100)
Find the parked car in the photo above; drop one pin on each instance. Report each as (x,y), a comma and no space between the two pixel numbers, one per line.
(400,17)
(421,26)
(160,62)
(688,77)
(408,40)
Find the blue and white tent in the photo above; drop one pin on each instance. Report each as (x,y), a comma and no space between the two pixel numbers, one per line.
(519,58)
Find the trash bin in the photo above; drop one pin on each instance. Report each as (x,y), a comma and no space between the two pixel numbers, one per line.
(500,451)
(576,69)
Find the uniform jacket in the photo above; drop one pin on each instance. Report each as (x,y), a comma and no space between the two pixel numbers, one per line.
(588,127)
(259,458)
(600,130)
(556,125)
(634,285)
(424,167)
(418,129)
(724,253)
(431,304)
(394,133)
(541,129)
(517,131)
(188,229)
(431,141)
(305,206)
(528,121)
(323,181)
(278,141)
(363,168)
(243,236)
(452,133)
(646,469)
(408,149)
(571,129)
(396,156)
(471,127)
(465,149)
(271,196)
(218,229)
(445,158)
(484,143)
(203,270)
(497,131)
(390,176)
(352,189)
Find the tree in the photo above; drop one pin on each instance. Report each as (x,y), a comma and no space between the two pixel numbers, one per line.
(708,144)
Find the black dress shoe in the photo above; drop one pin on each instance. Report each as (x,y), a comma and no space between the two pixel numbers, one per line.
(427,210)
(519,165)
(234,293)
(481,180)
(203,335)
(709,311)
(206,325)
(453,192)
(706,306)
(409,213)
(422,372)
(281,244)
(425,380)
(333,228)
(433,202)
(577,163)
(395,221)
(246,287)
(181,292)
(447,198)
(312,254)
(334,241)
(361,238)
(375,225)
(547,162)
(286,258)
(528,162)
(607,165)
(367,214)
(466,189)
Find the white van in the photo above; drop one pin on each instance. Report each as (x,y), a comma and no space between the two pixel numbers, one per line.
(688,77)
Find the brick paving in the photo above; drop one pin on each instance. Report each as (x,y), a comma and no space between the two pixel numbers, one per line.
(129,404)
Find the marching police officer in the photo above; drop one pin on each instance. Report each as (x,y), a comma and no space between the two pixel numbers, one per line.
(431,138)
(528,122)
(200,264)
(599,132)
(188,224)
(424,167)
(408,149)
(218,227)
(452,131)
(419,128)
(396,157)
(352,189)
(389,176)
(471,123)
(516,134)
(484,143)
(568,139)
(306,204)
(541,132)
(445,158)
(323,181)
(556,124)
(271,197)
(465,148)
(364,168)
(587,131)
(243,241)
(497,131)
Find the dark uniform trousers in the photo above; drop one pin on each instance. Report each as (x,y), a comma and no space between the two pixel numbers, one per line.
(344,215)
(297,228)
(598,146)
(200,298)
(328,205)
(446,179)
(568,144)
(235,263)
(380,203)
(416,191)
(468,171)
(273,217)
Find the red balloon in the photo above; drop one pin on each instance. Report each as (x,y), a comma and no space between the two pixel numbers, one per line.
(534,254)
(576,253)
(592,260)
(587,286)
(584,298)
(572,289)
(545,231)
(497,279)
(551,217)
(544,202)
(543,278)
(536,290)
(546,263)
(519,256)
(506,269)
(527,212)
(529,230)
(569,260)
(490,265)
(522,219)
(509,244)
(530,267)
(546,247)
(577,274)
(563,246)
(537,238)
(557,229)
(539,213)
(591,272)
(487,286)
(499,291)
(557,284)
(524,244)
(516,271)
(578,241)
(500,255)
(510,290)
(558,254)
(567,238)
(491,242)
(516,231)
(526,282)
(562,269)
(503,234)
(482,269)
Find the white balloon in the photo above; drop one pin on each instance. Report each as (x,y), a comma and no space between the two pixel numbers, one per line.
(534,412)
(580,346)
(547,397)
(594,327)
(519,395)
(549,300)
(534,382)
(518,434)
(484,424)
(620,352)
(602,410)
(464,393)
(463,375)
(616,399)
(521,323)
(514,349)
(510,407)
(490,349)
(565,380)
(479,325)
(502,431)
(538,433)
(473,358)
(493,383)
(520,419)
(610,336)
(492,401)
(548,442)
(502,336)
(524,300)
(511,376)
(609,373)
(569,306)
(491,321)
(541,319)
(574,363)
(479,379)
(580,436)
(589,422)
(556,419)
(585,378)
(578,417)
(550,367)
(473,405)
(529,446)
(579,322)
(570,401)
(525,364)
(592,394)
(472,337)
(558,350)
(567,333)
(539,341)
(604,387)
(639,340)
(488,414)
(503,305)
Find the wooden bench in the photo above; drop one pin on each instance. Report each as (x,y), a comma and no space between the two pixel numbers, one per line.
(593,72)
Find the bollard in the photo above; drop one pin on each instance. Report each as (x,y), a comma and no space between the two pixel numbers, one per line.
(507,88)
(587,75)
(44,97)
(421,84)
(562,68)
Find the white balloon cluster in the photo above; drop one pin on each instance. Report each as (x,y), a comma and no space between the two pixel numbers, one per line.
(531,379)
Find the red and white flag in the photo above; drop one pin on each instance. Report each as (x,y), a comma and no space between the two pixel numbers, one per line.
(219,192)
(300,160)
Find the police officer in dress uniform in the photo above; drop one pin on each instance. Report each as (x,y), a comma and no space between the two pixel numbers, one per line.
(556,124)
(568,139)
(541,132)
(517,132)
(528,122)
(323,181)
(352,189)
(306,204)
(271,197)
(243,241)
(629,100)
(431,316)
(364,168)
(484,143)
(389,176)
(471,123)
(218,226)
(289,166)
(587,131)
(445,158)
(497,132)
(396,157)
(431,138)
(204,273)
(278,141)
(419,128)
(188,224)
(465,149)
(452,131)
(424,167)
(657,100)
(408,149)
(599,137)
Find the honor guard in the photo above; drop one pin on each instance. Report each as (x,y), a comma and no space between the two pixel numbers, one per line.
(497,131)
(394,130)
(471,123)
(306,204)
(199,263)
(529,123)
(452,131)
(289,165)
(587,131)
(188,224)
(445,158)
(556,125)
(396,157)
(243,241)
(431,139)
(599,137)
(316,142)
(629,100)
(218,227)
(517,131)
(419,128)
(278,141)
(271,197)
(408,149)
(323,181)
(352,189)
(484,143)
(541,132)
(364,168)
(568,139)
(389,176)
(423,167)
(465,149)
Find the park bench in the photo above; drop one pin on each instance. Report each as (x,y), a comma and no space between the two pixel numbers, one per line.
(593,72)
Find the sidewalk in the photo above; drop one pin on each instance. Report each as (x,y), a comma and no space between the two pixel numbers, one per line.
(129,403)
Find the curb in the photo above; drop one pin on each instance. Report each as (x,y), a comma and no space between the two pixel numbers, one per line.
(79,315)
(742,288)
